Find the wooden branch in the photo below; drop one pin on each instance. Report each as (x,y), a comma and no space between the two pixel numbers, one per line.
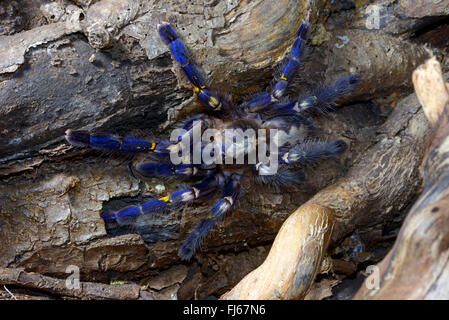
(59,287)
(294,259)
(417,267)
(431,91)
(381,183)
(51,199)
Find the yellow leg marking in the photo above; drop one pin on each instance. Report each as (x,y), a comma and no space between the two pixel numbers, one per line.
(283,78)
(165,199)
(213,101)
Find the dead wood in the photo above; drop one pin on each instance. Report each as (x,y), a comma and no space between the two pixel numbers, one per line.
(118,77)
(69,288)
(381,183)
(417,267)
(294,259)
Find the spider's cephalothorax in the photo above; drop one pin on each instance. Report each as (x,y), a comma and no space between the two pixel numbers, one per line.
(268,114)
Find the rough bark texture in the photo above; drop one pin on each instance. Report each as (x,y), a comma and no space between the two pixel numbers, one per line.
(372,192)
(101,65)
(417,267)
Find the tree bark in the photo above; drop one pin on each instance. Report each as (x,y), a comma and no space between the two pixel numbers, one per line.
(100,65)
(370,193)
(417,267)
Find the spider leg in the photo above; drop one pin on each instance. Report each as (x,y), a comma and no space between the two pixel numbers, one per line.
(320,101)
(127,216)
(108,142)
(266,99)
(311,152)
(223,206)
(293,64)
(282,178)
(150,169)
(307,153)
(179,52)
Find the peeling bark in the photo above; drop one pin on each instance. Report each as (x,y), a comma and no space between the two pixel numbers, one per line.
(372,192)
(82,290)
(52,196)
(417,267)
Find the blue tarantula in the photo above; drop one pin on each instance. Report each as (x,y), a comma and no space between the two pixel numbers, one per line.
(269,111)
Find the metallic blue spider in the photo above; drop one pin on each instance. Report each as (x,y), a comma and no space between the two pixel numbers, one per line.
(268,111)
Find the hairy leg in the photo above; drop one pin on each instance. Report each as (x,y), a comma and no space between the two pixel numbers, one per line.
(312,152)
(127,216)
(179,52)
(282,178)
(320,101)
(150,169)
(195,238)
(266,99)
(111,143)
